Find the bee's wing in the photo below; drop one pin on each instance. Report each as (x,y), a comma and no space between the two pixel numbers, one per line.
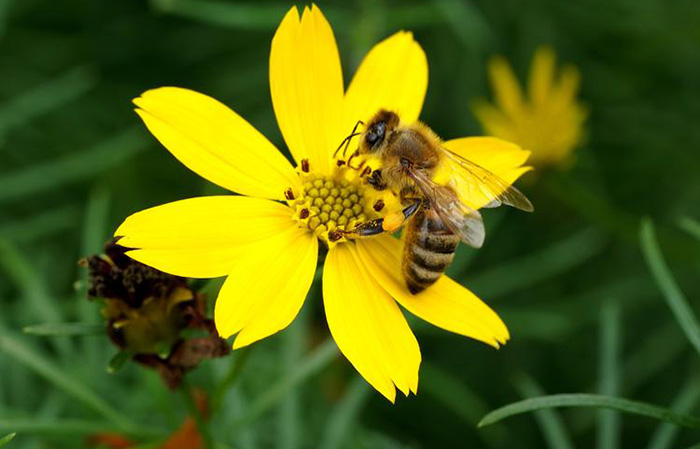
(486,184)
(460,218)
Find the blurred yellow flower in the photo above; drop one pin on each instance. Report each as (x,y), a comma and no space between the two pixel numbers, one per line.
(267,241)
(549,122)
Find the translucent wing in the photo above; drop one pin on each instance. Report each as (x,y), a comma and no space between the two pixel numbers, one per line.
(482,182)
(459,218)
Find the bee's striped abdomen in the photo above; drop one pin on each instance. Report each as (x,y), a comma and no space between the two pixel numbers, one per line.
(429,248)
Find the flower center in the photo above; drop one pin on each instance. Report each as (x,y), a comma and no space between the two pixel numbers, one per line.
(330,203)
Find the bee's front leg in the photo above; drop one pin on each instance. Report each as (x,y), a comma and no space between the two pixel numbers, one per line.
(376,180)
(390,223)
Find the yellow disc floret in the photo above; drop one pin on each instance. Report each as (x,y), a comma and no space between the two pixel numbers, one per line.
(331,203)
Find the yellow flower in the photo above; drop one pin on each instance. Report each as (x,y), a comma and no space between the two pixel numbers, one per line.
(549,122)
(267,241)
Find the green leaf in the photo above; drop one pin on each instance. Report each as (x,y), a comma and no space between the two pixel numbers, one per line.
(310,365)
(686,400)
(243,16)
(47,96)
(4,12)
(412,16)
(552,319)
(452,393)
(211,287)
(42,177)
(690,226)
(609,373)
(654,354)
(593,206)
(650,359)
(667,284)
(30,282)
(65,329)
(289,411)
(237,361)
(594,401)
(163,349)
(254,16)
(540,266)
(188,397)
(246,16)
(7,438)
(553,429)
(466,21)
(54,426)
(371,439)
(41,365)
(118,361)
(39,225)
(341,424)
(537,323)
(95,232)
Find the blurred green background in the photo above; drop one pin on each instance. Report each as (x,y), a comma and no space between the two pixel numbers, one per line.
(570,280)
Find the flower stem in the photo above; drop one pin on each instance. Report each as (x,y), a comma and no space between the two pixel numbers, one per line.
(239,359)
(196,414)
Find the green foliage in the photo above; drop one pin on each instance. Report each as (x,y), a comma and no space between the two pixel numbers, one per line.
(590,400)
(42,366)
(6,439)
(668,286)
(609,373)
(691,226)
(65,329)
(551,424)
(76,161)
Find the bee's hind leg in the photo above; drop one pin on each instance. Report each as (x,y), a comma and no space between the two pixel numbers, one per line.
(390,223)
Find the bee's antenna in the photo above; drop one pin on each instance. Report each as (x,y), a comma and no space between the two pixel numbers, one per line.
(347,140)
(359,122)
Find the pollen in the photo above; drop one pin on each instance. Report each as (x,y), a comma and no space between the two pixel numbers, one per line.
(330,203)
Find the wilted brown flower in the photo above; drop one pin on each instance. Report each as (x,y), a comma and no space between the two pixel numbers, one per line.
(146,312)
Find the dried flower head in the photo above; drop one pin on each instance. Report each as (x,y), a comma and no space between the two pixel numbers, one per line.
(146,311)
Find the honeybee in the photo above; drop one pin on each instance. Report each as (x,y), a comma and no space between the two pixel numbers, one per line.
(437,218)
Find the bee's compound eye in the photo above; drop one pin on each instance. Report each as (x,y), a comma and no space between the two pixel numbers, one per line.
(372,138)
(375,135)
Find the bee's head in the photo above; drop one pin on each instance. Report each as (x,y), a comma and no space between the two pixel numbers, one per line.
(377,131)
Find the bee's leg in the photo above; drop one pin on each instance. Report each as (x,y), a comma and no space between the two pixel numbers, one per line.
(355,154)
(376,180)
(390,223)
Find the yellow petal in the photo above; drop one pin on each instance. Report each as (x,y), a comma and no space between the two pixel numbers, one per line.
(568,85)
(215,142)
(505,85)
(201,237)
(541,75)
(267,287)
(393,76)
(367,325)
(446,304)
(306,83)
(493,121)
